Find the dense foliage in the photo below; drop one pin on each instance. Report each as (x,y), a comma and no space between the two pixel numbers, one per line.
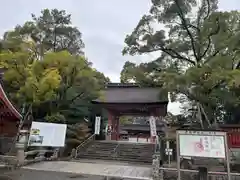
(44,67)
(198,56)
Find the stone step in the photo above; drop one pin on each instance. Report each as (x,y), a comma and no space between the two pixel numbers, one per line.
(131,156)
(139,153)
(96,157)
(135,154)
(138,150)
(138,160)
(105,144)
(136,145)
(99,146)
(135,149)
(101,149)
(148,161)
(134,159)
(93,149)
(96,152)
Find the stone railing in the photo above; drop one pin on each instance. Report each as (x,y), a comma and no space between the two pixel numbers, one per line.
(82,145)
(8,160)
(34,156)
(37,156)
(43,153)
(116,151)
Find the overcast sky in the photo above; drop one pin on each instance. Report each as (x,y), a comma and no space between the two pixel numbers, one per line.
(104,24)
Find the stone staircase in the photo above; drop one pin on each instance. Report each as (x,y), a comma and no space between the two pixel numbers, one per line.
(118,151)
(135,152)
(99,150)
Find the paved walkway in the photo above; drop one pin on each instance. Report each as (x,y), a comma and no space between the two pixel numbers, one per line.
(108,170)
(121,163)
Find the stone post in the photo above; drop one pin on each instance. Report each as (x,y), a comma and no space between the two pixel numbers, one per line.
(41,154)
(156,166)
(202,173)
(73,153)
(157,173)
(21,145)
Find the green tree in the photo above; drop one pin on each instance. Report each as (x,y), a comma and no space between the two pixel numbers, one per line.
(59,83)
(44,67)
(24,83)
(75,135)
(51,31)
(198,52)
(142,74)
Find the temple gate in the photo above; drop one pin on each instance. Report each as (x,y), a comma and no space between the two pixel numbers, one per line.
(130,99)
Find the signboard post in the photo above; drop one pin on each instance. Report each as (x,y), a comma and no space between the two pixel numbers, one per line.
(207,144)
(97,125)
(168,152)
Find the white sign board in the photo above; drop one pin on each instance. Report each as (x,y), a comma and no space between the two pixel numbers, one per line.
(168,151)
(97,124)
(47,134)
(152,122)
(202,144)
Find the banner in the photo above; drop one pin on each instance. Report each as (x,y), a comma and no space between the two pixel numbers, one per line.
(152,122)
(47,134)
(97,124)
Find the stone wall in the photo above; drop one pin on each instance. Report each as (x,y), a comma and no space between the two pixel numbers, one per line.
(5,144)
(8,127)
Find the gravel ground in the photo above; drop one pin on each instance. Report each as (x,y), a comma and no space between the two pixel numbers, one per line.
(47,175)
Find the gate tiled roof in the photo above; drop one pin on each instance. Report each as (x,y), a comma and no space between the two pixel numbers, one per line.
(130,94)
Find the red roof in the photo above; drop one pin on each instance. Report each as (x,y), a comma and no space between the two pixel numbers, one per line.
(9,105)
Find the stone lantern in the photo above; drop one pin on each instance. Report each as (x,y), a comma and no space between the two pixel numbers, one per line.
(21,144)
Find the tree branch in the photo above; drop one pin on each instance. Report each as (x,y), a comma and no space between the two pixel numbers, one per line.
(213,55)
(76,97)
(210,40)
(194,27)
(238,65)
(181,15)
(172,53)
(208,10)
(205,115)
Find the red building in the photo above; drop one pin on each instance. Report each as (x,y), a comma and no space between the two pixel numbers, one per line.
(9,120)
(131,100)
(233,133)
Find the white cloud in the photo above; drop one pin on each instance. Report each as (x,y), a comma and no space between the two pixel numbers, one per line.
(103,23)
